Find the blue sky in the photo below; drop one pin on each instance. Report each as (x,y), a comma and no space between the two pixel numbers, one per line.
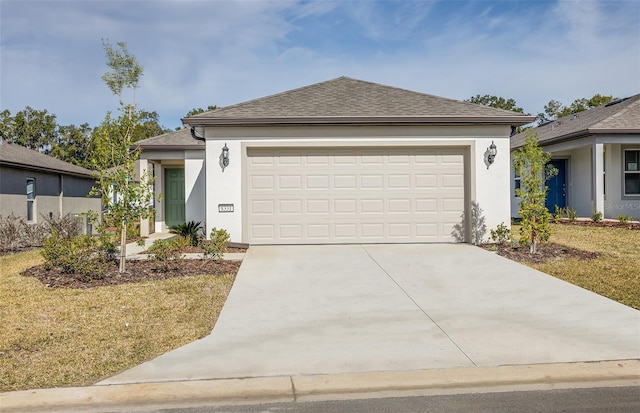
(200,53)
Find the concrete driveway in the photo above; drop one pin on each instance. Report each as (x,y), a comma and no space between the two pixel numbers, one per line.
(298,310)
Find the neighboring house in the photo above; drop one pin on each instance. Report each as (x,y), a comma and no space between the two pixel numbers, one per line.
(597,154)
(33,185)
(342,161)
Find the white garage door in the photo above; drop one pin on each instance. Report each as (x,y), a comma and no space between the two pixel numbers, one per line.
(378,195)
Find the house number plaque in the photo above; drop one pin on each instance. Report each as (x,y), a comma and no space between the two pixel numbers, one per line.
(225,207)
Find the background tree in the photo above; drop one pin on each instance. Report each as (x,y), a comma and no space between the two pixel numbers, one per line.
(73,145)
(196,111)
(114,159)
(148,126)
(530,161)
(495,102)
(555,109)
(31,128)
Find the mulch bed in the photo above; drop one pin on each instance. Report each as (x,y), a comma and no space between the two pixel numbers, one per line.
(607,224)
(545,253)
(136,271)
(197,250)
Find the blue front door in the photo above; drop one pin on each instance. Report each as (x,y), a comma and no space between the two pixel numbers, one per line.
(557,193)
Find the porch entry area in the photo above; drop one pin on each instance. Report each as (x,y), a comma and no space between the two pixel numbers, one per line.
(557,192)
(174,196)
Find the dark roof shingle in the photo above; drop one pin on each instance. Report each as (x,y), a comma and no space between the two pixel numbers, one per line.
(180,139)
(21,157)
(345,98)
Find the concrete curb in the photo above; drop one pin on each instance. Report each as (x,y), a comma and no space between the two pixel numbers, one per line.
(295,388)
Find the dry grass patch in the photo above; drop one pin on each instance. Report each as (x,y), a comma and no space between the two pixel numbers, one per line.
(615,273)
(65,337)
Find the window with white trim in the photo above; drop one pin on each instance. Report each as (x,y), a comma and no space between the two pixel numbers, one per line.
(31,197)
(631,172)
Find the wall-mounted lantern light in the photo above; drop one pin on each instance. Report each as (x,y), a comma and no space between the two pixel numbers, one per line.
(225,156)
(491,153)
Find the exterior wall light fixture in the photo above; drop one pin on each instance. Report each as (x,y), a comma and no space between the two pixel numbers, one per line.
(491,153)
(225,156)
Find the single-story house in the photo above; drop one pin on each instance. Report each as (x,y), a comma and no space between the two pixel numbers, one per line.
(341,161)
(33,185)
(597,154)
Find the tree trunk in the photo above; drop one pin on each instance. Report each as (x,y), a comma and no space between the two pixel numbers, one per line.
(123,246)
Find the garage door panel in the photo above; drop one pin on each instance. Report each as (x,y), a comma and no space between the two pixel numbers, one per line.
(288,182)
(345,181)
(348,195)
(262,207)
(317,206)
(290,206)
(396,181)
(261,182)
(345,231)
(372,181)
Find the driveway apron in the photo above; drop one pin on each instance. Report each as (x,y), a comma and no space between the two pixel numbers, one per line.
(330,309)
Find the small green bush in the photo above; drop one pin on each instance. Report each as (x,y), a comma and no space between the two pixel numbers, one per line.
(133,230)
(624,219)
(217,246)
(501,235)
(81,255)
(166,252)
(596,216)
(558,214)
(191,230)
(571,213)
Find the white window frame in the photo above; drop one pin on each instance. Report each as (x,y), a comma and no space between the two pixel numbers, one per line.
(31,200)
(625,172)
(517,183)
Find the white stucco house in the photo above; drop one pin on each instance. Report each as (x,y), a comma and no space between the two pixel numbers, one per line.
(342,161)
(597,154)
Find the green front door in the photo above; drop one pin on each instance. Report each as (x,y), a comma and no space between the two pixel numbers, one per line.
(174,197)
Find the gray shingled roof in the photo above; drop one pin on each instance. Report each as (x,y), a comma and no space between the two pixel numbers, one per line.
(180,139)
(345,100)
(621,117)
(21,157)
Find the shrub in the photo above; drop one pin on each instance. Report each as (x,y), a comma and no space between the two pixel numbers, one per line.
(16,233)
(34,235)
(165,252)
(217,246)
(572,214)
(501,235)
(63,226)
(133,230)
(74,255)
(11,232)
(596,216)
(624,219)
(191,230)
(558,214)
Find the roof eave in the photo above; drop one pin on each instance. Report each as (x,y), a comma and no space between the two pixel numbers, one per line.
(361,121)
(616,131)
(44,169)
(171,147)
(583,133)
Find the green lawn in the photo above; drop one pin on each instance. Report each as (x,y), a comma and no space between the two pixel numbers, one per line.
(614,274)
